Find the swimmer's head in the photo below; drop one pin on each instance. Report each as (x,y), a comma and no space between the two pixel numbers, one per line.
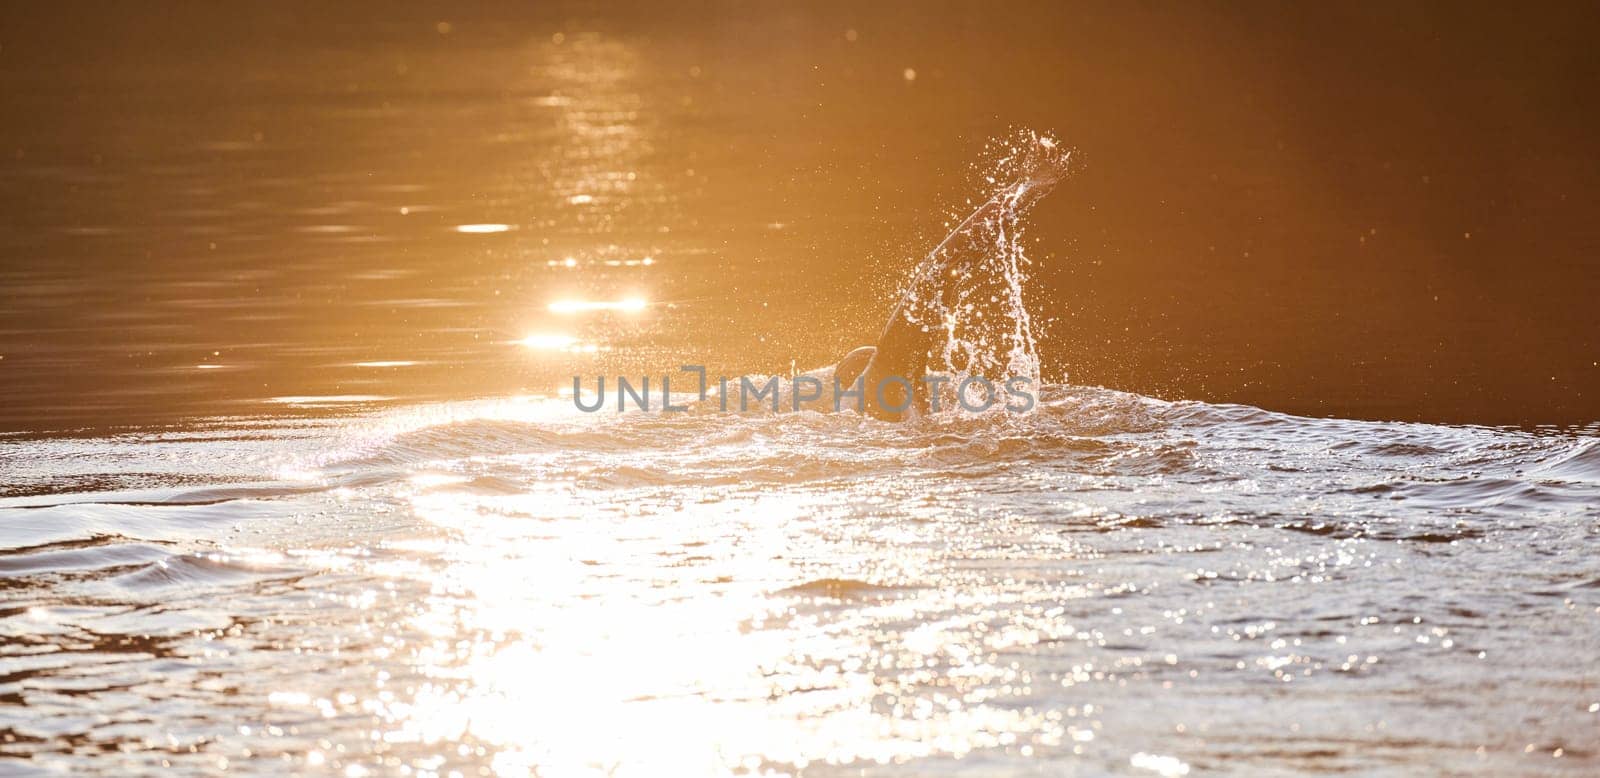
(853,365)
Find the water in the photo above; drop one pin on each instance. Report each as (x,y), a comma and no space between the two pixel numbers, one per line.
(971,285)
(288,483)
(207,210)
(1108,584)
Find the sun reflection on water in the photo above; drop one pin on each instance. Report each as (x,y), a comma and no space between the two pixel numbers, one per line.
(628,305)
(557,342)
(482,229)
(572,617)
(549,341)
(595,639)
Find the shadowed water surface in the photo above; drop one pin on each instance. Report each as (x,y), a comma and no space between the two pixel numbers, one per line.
(260,208)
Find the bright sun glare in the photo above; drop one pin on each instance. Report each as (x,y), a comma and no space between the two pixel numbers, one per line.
(629,305)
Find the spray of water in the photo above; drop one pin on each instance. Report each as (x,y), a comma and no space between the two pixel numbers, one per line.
(971,286)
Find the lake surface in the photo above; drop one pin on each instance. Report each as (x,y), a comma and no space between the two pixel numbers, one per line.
(208,209)
(1110,585)
(289,298)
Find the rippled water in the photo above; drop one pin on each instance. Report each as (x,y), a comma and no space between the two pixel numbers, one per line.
(1111,584)
(287,484)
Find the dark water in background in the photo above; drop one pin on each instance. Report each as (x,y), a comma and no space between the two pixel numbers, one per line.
(1357,211)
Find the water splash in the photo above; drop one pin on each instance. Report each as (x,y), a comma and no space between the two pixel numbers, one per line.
(971,285)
